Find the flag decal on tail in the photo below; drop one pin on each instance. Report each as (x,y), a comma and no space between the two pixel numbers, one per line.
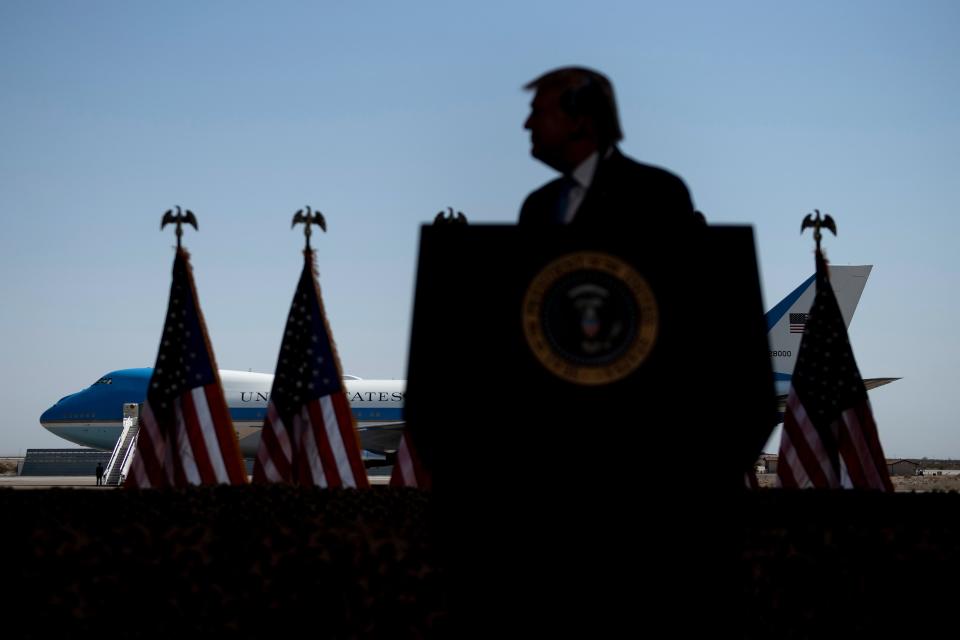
(798,321)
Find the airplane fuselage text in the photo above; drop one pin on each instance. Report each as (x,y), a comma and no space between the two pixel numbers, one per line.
(356,396)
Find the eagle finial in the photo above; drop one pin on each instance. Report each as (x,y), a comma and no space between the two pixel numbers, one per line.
(307,219)
(179,219)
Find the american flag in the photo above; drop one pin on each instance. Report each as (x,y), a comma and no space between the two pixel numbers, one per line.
(797,322)
(829,436)
(308,436)
(186,436)
(407,470)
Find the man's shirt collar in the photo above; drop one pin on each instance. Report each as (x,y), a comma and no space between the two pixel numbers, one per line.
(585,172)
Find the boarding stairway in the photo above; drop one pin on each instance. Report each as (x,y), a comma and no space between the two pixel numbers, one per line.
(122,457)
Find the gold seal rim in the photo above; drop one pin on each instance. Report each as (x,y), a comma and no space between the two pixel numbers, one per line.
(591,375)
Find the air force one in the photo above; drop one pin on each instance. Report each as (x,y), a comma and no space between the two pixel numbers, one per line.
(94,417)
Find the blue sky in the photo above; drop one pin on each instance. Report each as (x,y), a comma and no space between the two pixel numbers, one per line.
(382,114)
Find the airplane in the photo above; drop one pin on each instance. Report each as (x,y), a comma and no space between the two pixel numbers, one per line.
(93,417)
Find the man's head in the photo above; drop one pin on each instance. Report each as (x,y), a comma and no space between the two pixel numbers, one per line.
(573,114)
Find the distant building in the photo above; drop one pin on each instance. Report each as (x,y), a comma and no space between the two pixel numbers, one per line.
(903,468)
(768,461)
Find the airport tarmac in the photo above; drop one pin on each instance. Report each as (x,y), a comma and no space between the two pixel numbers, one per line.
(47,482)
(84,482)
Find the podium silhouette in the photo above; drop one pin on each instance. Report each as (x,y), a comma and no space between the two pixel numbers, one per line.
(586,355)
(584,402)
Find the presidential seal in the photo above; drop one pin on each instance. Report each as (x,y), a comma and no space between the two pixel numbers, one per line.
(590,318)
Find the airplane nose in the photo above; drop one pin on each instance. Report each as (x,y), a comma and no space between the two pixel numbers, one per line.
(48,416)
(56,412)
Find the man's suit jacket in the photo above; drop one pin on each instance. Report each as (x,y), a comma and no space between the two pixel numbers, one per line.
(624,194)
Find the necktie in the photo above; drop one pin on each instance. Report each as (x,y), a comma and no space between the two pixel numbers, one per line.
(567,185)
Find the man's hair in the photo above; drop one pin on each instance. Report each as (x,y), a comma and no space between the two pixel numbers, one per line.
(584,92)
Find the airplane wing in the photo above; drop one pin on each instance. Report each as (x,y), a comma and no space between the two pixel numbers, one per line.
(873,383)
(869,383)
(381,438)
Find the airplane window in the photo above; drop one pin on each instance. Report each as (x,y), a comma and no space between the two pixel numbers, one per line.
(104,381)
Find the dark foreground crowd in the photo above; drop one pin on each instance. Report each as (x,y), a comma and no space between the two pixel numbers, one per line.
(244,561)
(257,561)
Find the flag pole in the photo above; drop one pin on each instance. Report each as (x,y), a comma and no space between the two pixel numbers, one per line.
(830,438)
(309,435)
(186,435)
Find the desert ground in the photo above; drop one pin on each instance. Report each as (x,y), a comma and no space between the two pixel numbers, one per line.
(905,484)
(925,483)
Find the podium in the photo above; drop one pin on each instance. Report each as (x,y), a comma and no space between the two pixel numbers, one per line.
(584,402)
(576,353)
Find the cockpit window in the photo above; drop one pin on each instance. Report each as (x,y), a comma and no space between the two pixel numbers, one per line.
(104,381)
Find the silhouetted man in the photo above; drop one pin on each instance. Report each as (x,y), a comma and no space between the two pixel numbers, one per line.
(574,128)
(99,474)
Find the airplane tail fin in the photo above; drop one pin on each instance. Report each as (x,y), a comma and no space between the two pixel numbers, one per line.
(786,321)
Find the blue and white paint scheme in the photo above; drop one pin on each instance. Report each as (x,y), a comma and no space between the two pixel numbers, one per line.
(94,417)
(784,334)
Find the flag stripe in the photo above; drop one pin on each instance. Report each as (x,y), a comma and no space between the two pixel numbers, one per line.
(154,440)
(310,462)
(854,465)
(858,423)
(204,423)
(266,468)
(810,463)
(203,457)
(282,439)
(790,471)
(273,457)
(350,439)
(303,473)
(188,442)
(407,470)
(337,445)
(299,473)
(278,448)
(823,472)
(235,472)
(138,474)
(323,446)
(203,440)
(146,467)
